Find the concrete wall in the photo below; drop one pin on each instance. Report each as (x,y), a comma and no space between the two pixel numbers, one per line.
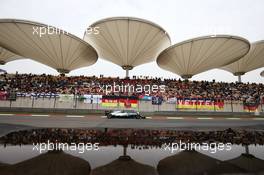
(143,106)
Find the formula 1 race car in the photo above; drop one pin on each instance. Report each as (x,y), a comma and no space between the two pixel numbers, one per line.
(124,114)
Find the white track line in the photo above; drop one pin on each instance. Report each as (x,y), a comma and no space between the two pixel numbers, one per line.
(7,114)
(175,118)
(148,117)
(204,118)
(103,116)
(258,118)
(40,115)
(74,116)
(233,118)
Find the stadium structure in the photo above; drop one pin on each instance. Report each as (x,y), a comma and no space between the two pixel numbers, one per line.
(197,55)
(127,42)
(254,59)
(60,50)
(7,56)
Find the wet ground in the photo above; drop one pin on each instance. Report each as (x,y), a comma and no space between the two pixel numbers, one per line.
(133,151)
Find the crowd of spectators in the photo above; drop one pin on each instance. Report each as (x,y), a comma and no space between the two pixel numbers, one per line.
(31,83)
(140,138)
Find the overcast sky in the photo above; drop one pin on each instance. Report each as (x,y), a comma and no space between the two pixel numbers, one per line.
(181,19)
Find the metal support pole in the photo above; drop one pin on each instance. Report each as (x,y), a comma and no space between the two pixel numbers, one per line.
(127,73)
(196,103)
(10,104)
(239,79)
(33,99)
(214,104)
(125,150)
(247,149)
(232,108)
(54,104)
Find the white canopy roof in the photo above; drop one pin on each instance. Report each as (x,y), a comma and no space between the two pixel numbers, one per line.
(7,56)
(254,59)
(262,73)
(59,50)
(127,41)
(201,54)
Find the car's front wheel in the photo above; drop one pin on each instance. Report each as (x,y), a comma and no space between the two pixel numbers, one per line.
(138,117)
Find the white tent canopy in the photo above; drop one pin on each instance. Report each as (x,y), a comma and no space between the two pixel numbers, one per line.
(254,59)
(7,56)
(127,41)
(197,55)
(46,44)
(262,73)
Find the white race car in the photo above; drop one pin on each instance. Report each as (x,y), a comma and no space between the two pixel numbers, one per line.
(124,114)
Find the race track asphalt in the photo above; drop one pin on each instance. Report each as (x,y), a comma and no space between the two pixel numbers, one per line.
(10,122)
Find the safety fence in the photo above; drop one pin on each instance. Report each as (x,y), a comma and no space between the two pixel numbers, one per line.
(146,104)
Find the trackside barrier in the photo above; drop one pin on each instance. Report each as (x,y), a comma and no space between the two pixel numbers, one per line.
(142,106)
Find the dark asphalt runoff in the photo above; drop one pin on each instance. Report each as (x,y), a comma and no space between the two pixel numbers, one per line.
(9,123)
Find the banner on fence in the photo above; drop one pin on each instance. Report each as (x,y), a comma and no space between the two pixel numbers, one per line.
(11,96)
(200,104)
(145,98)
(109,102)
(37,95)
(66,97)
(8,95)
(128,103)
(171,100)
(91,99)
(3,95)
(251,106)
(120,101)
(156,100)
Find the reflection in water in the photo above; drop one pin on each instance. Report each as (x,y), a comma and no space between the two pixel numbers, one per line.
(124,165)
(52,162)
(248,162)
(193,162)
(135,143)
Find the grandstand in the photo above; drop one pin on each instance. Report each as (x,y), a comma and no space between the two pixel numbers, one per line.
(87,92)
